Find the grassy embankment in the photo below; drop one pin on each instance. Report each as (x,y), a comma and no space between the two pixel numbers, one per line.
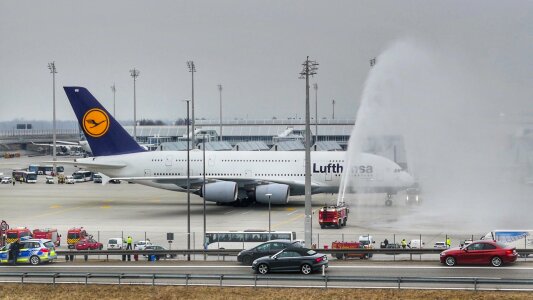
(70,291)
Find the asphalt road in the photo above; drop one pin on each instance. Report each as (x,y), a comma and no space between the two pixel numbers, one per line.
(520,270)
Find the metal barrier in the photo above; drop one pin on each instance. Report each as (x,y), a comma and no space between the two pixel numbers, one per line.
(270,280)
(236,251)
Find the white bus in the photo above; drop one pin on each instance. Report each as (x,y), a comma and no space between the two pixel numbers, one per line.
(82,176)
(243,239)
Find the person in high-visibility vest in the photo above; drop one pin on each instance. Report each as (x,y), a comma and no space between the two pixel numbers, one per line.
(448,242)
(128,246)
(404,244)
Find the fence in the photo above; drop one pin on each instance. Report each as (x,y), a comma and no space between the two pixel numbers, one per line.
(268,280)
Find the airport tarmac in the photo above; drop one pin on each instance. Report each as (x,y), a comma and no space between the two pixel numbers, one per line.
(117,210)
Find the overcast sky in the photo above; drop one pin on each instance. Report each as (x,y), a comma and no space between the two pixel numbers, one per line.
(253,48)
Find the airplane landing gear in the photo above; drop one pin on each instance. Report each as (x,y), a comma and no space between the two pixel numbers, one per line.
(388,202)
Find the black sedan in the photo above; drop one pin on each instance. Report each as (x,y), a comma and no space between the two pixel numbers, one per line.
(158,256)
(291,259)
(265,249)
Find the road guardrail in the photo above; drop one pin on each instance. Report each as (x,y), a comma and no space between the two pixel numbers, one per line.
(236,251)
(269,280)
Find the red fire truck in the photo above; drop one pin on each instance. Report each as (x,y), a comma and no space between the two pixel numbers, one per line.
(14,234)
(49,234)
(336,216)
(74,235)
(350,245)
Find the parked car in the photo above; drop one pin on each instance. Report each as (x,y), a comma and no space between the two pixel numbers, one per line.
(49,180)
(393,246)
(480,252)
(69,180)
(440,245)
(115,244)
(416,244)
(265,249)
(141,245)
(7,180)
(292,259)
(158,256)
(97,178)
(32,251)
(89,244)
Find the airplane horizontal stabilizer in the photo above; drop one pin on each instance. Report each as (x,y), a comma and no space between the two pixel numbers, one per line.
(89,165)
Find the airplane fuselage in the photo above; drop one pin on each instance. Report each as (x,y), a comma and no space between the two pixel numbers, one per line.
(286,167)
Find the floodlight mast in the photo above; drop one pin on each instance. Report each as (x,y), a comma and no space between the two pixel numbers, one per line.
(192,70)
(53,70)
(309,69)
(134,73)
(114,90)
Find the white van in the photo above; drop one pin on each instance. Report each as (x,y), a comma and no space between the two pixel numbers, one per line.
(416,244)
(520,239)
(115,244)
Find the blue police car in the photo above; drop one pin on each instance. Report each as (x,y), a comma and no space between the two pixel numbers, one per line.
(32,251)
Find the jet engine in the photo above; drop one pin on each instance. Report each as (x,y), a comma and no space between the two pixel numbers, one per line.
(221,191)
(280,193)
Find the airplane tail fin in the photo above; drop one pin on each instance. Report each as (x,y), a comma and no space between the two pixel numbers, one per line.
(104,134)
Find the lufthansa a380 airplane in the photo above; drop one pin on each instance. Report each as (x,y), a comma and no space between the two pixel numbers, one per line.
(230,175)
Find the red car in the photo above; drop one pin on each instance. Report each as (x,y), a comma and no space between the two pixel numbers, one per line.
(89,244)
(480,252)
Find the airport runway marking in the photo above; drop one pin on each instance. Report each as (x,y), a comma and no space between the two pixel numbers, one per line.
(229,212)
(55,206)
(292,212)
(245,212)
(105,206)
(57,212)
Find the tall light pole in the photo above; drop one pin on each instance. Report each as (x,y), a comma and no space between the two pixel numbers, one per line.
(269,214)
(188,186)
(333,103)
(53,70)
(203,194)
(309,69)
(315,86)
(220,101)
(134,73)
(192,69)
(114,90)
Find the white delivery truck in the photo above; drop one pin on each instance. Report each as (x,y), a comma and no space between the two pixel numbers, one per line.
(520,239)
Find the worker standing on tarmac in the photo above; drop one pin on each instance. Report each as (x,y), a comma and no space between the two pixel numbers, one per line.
(404,244)
(128,247)
(448,242)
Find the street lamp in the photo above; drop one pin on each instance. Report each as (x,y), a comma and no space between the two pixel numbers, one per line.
(192,69)
(315,86)
(134,73)
(114,90)
(203,192)
(53,70)
(220,101)
(309,69)
(188,187)
(269,213)
(333,103)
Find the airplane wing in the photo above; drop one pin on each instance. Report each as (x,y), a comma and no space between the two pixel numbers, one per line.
(197,181)
(89,165)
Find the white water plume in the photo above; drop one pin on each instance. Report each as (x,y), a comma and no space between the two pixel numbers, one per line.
(452,120)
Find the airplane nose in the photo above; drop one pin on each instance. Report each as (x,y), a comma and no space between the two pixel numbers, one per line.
(407,179)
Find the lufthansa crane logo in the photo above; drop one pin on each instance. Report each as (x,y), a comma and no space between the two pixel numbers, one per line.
(95,122)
